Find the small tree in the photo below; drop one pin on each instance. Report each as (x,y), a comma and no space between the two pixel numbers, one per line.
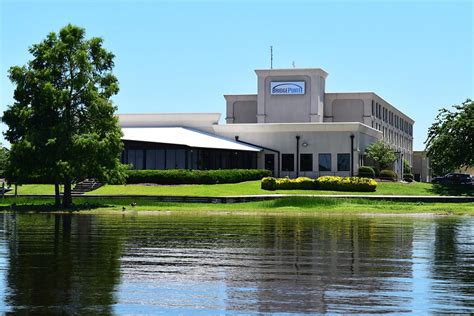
(450,139)
(62,126)
(382,155)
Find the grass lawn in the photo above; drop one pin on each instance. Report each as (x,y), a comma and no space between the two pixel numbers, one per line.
(250,188)
(253,188)
(287,206)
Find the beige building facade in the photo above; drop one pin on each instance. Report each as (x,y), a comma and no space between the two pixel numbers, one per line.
(300,129)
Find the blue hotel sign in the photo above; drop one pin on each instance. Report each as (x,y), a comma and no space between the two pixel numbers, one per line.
(287,87)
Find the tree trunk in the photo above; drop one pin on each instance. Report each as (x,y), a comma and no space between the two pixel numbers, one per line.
(57,197)
(67,197)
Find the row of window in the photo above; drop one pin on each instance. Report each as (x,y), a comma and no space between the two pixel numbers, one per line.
(306,162)
(189,159)
(392,137)
(391,118)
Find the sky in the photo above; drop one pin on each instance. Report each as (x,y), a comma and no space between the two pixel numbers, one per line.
(183,56)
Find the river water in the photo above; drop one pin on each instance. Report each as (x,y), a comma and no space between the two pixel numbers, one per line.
(225,264)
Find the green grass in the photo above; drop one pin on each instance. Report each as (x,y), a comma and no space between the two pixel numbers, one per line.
(251,188)
(33,189)
(288,206)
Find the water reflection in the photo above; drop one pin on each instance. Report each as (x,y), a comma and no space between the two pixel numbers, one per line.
(60,264)
(235,264)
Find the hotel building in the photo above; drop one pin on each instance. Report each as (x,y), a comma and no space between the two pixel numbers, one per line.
(291,126)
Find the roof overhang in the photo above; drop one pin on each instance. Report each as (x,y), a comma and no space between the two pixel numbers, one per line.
(183,136)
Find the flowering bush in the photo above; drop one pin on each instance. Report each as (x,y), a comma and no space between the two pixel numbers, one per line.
(353,184)
(333,183)
(301,183)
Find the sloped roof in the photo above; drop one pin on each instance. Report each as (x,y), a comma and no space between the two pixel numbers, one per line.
(182,136)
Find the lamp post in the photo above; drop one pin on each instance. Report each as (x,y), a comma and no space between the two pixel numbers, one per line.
(400,156)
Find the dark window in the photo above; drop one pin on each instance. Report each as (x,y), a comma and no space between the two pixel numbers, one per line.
(324,162)
(288,162)
(306,161)
(270,162)
(373,108)
(343,162)
(135,158)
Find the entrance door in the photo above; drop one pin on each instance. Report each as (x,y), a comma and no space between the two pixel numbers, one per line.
(270,162)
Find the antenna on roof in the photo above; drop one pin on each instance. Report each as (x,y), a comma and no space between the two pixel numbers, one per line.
(271,57)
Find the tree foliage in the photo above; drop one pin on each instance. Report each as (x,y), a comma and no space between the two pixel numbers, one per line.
(61,125)
(381,153)
(4,154)
(450,141)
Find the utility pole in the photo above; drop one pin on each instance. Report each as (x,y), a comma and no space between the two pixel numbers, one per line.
(271,57)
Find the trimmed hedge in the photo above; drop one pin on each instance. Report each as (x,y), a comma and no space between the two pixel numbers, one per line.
(388,175)
(183,176)
(366,172)
(333,183)
(408,177)
(351,184)
(301,183)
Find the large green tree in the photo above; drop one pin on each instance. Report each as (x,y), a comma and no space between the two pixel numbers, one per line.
(450,141)
(62,126)
(381,153)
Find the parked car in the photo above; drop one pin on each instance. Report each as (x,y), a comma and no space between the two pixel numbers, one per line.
(454,178)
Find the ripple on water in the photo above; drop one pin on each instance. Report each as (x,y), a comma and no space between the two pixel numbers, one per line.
(235,264)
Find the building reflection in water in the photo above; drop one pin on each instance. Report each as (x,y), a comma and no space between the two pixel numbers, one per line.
(234,264)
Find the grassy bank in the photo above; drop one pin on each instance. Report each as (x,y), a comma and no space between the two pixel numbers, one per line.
(285,206)
(252,188)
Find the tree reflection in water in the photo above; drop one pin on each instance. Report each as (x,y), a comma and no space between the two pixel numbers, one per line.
(61,264)
(215,264)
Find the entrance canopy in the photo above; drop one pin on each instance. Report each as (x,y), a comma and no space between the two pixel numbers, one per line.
(183,136)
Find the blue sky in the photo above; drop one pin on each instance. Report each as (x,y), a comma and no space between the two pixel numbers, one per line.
(182,56)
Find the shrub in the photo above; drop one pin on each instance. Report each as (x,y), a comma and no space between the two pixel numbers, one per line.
(353,184)
(268,183)
(322,183)
(366,172)
(408,177)
(301,183)
(183,176)
(388,175)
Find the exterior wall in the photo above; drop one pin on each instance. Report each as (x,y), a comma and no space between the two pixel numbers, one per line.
(373,111)
(198,121)
(241,108)
(334,139)
(421,167)
(307,107)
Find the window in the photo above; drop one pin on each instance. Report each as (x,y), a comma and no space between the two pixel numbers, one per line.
(135,158)
(373,108)
(288,162)
(343,162)
(324,162)
(306,162)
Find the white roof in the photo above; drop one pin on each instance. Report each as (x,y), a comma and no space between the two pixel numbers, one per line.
(182,136)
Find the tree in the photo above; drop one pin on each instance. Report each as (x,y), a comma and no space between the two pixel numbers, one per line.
(4,154)
(450,141)
(381,153)
(61,125)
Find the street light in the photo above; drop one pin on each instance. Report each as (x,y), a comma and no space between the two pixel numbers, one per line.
(400,155)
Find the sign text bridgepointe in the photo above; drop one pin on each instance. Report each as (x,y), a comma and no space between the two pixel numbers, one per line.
(287,87)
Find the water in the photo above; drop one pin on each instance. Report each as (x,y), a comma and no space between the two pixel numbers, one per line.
(223,264)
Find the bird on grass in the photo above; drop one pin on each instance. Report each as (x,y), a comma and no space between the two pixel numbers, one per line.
(133,204)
